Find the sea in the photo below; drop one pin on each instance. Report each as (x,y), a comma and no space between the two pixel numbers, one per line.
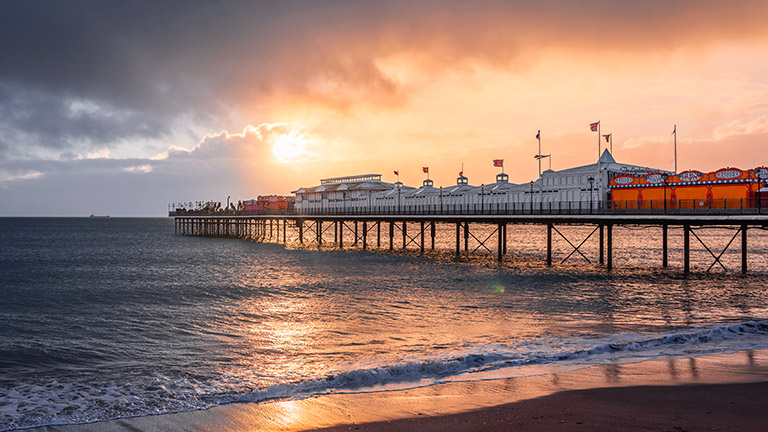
(107,318)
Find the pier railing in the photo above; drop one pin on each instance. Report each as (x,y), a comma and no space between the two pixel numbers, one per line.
(724,206)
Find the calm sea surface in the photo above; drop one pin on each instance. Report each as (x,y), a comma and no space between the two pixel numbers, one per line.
(110,318)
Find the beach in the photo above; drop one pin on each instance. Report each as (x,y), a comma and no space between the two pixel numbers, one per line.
(711,392)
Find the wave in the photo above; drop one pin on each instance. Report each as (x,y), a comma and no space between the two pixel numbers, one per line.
(57,403)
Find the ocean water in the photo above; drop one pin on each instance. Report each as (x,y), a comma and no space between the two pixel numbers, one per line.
(110,318)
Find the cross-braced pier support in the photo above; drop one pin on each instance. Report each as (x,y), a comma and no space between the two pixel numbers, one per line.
(478,233)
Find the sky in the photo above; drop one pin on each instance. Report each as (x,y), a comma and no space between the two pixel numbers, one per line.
(121,108)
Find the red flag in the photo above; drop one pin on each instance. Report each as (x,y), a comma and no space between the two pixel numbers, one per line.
(461,173)
(593,126)
(397,173)
(538,134)
(498,162)
(607,137)
(541,156)
(425,169)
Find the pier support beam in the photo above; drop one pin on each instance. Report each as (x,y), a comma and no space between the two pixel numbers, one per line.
(686,249)
(301,231)
(466,237)
(743,248)
(365,235)
(504,240)
(341,234)
(319,228)
(602,243)
(391,235)
(378,235)
(549,245)
(609,239)
(285,231)
(356,235)
(432,233)
(336,232)
(458,239)
(499,236)
(664,246)
(405,231)
(422,237)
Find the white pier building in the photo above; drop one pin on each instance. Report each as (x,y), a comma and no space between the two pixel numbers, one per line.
(578,187)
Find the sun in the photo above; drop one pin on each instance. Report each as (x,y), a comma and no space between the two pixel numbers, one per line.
(290,146)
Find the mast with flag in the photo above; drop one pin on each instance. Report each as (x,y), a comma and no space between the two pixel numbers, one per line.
(595,127)
(426,171)
(609,139)
(397,173)
(674,132)
(499,163)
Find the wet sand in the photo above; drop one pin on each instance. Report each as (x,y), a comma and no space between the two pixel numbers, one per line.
(717,392)
(705,407)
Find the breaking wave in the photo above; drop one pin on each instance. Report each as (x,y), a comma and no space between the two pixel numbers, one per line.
(57,403)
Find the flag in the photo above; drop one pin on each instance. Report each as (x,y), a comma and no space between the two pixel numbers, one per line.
(425,169)
(541,156)
(593,126)
(461,173)
(674,131)
(498,162)
(397,173)
(538,134)
(607,137)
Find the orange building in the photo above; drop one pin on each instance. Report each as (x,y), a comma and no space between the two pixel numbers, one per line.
(724,188)
(271,204)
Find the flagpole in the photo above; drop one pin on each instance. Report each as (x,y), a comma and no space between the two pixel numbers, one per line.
(674,132)
(598,141)
(611,136)
(599,179)
(538,138)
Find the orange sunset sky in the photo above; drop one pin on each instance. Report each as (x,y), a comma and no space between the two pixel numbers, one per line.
(266,98)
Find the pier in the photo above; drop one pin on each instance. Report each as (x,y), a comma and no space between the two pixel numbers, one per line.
(474,233)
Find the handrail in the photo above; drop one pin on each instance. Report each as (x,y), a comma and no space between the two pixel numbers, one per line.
(712,206)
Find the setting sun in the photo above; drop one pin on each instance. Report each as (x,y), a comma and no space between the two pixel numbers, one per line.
(289,147)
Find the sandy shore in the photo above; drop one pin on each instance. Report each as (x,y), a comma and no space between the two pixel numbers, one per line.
(717,392)
(695,407)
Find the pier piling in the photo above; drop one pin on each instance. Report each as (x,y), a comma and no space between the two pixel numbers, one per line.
(268,229)
(686,249)
(743,248)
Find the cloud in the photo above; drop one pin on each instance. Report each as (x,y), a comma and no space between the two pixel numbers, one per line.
(758,125)
(96,74)
(139,169)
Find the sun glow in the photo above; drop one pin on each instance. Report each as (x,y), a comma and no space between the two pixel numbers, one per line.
(290,146)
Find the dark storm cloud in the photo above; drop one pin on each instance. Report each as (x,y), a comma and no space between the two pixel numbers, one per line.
(141,66)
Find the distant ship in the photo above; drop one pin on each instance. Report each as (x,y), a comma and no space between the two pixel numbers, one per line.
(99,217)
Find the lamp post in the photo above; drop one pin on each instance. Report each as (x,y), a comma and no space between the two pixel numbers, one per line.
(482,198)
(760,186)
(664,177)
(591,181)
(441,200)
(531,196)
(398,200)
